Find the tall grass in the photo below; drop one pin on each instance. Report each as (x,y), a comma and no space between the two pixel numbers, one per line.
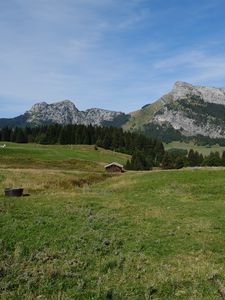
(147,235)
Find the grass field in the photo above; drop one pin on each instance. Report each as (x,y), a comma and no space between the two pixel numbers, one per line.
(74,157)
(190,145)
(139,235)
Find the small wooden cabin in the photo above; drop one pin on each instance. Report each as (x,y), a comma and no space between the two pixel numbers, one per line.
(114,167)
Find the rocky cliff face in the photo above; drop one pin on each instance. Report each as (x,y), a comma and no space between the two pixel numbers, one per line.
(187,111)
(65,112)
(184,90)
(195,110)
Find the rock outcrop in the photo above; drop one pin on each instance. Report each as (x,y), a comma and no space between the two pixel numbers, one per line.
(188,110)
(64,112)
(184,90)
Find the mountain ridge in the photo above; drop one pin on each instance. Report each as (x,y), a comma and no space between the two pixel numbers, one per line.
(186,111)
(63,112)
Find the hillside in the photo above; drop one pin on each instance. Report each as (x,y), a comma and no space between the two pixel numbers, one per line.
(186,112)
(146,235)
(70,157)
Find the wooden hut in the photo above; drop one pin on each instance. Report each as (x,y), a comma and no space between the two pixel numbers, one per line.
(114,167)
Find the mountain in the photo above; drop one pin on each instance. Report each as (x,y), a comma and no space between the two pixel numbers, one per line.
(65,112)
(187,111)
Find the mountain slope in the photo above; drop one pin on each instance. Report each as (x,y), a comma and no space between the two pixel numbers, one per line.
(145,115)
(186,111)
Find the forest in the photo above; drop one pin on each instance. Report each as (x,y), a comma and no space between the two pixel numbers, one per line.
(149,151)
(146,152)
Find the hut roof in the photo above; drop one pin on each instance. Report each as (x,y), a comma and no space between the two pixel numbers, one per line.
(114,164)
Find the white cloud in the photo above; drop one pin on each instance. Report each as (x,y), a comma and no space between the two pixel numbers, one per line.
(201,65)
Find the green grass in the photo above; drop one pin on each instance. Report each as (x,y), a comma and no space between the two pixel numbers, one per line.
(58,156)
(139,235)
(143,116)
(190,145)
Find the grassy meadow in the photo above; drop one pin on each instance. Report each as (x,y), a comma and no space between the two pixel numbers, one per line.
(205,150)
(84,234)
(73,157)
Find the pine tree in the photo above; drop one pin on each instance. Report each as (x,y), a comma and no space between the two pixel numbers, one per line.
(193,158)
(223,158)
(139,162)
(179,162)
(159,151)
(128,165)
(5,134)
(63,138)
(20,136)
(167,161)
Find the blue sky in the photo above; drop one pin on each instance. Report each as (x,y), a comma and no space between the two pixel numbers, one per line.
(112,54)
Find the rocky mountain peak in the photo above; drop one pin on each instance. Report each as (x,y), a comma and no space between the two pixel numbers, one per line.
(65,112)
(38,106)
(187,110)
(194,110)
(65,103)
(182,90)
(45,107)
(58,112)
(182,84)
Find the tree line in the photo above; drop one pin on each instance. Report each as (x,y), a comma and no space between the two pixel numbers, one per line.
(146,152)
(179,158)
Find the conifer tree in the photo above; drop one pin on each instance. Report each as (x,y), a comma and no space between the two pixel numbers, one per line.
(223,158)
(5,134)
(167,161)
(20,136)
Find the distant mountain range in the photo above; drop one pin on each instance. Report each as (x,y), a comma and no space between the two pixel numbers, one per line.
(65,112)
(187,111)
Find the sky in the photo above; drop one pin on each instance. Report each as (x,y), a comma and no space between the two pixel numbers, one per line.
(112,54)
